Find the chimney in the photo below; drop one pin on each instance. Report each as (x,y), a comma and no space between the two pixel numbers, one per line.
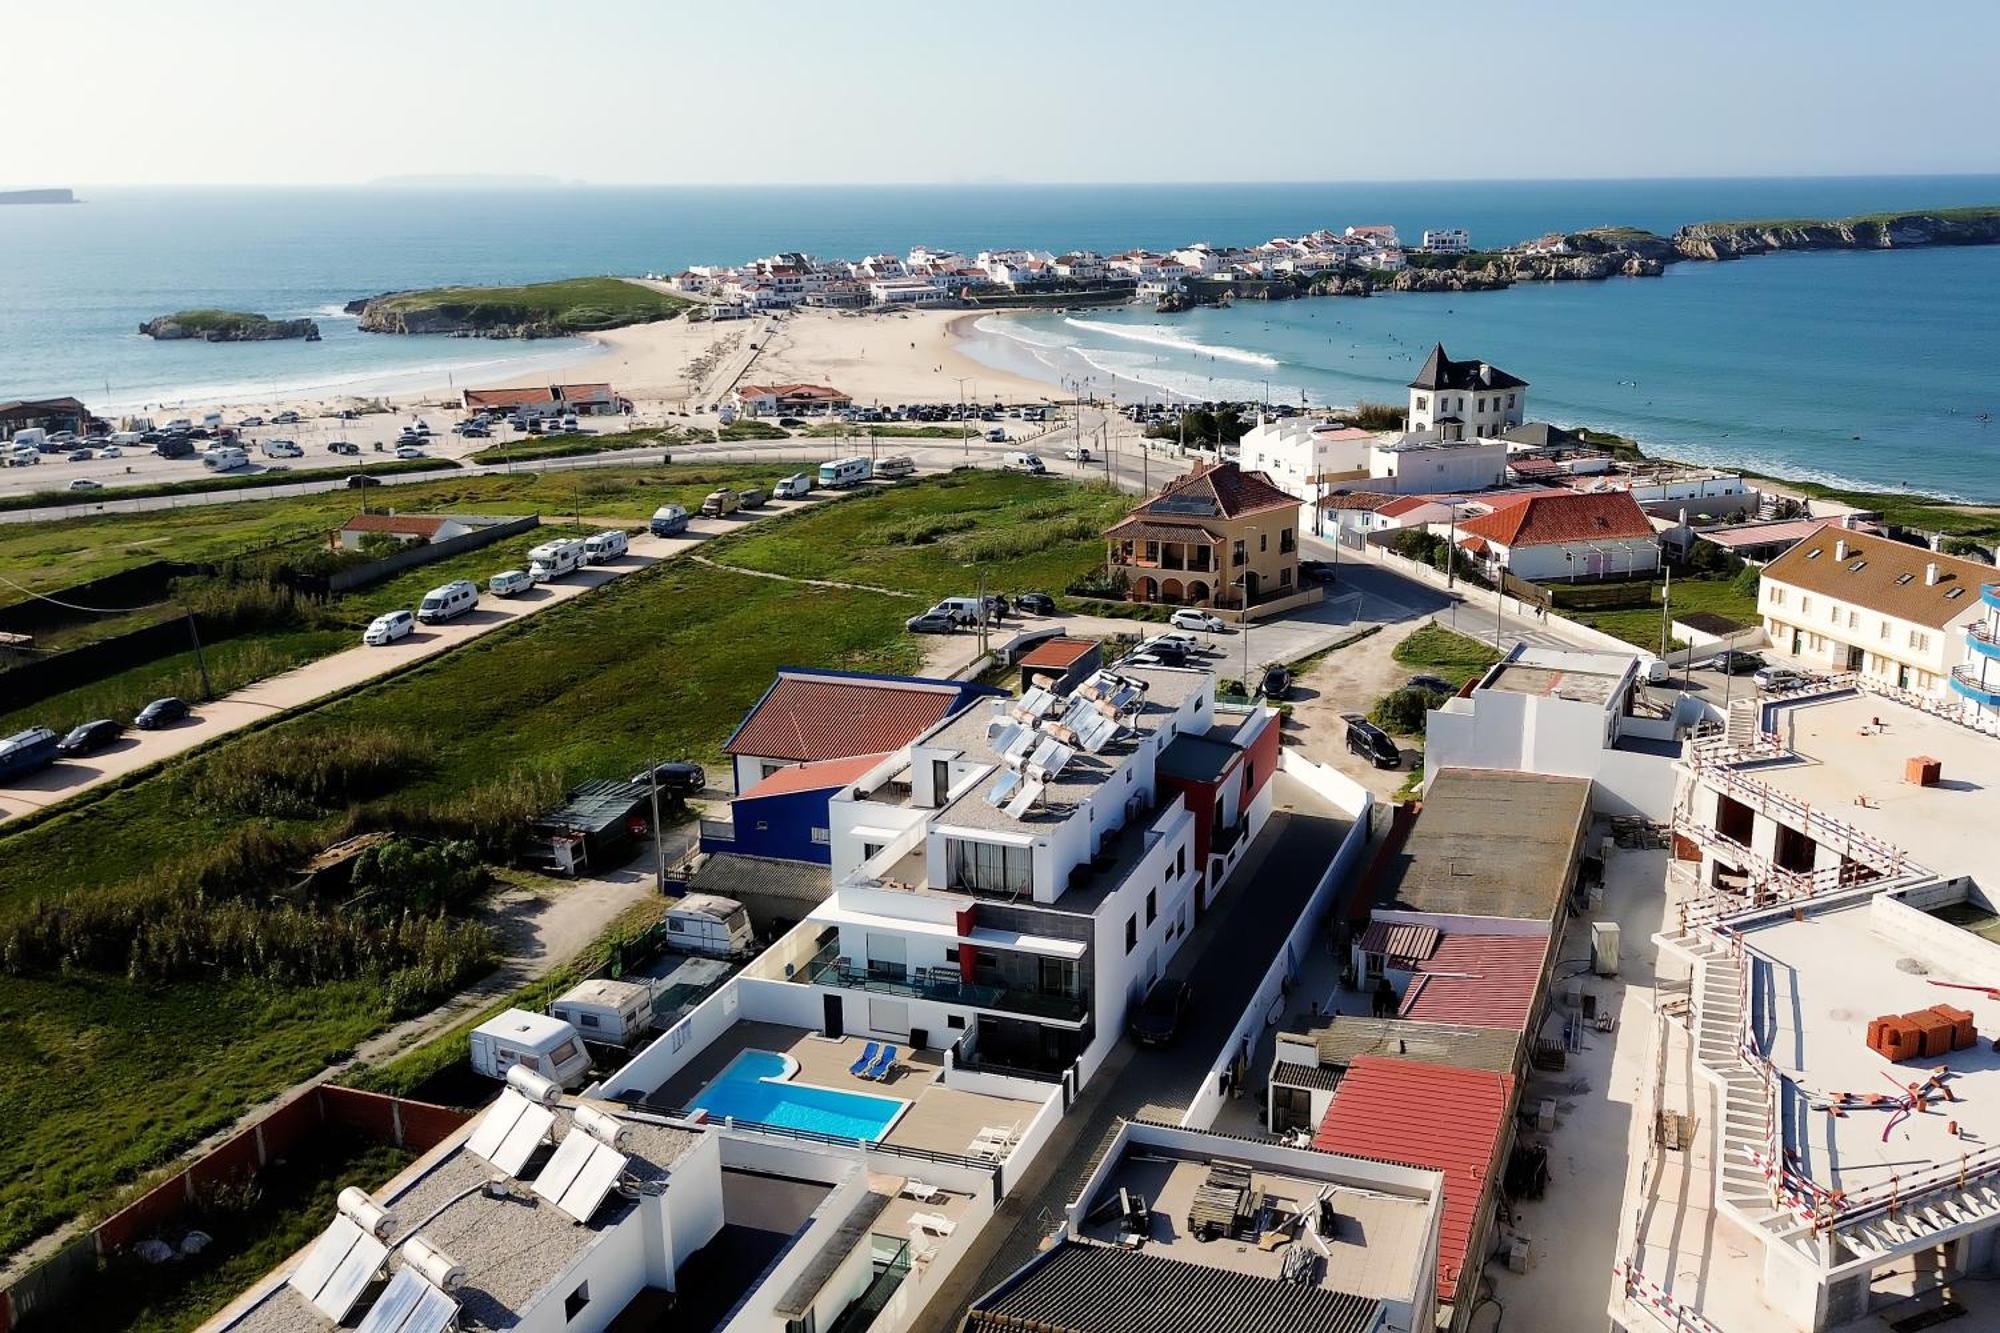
(1840,549)
(1930,575)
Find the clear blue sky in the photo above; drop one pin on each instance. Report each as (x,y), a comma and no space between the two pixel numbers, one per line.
(623,91)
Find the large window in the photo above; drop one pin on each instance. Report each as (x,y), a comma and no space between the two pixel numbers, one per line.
(986,867)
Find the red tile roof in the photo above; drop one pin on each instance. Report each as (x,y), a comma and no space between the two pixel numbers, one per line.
(1548,520)
(1427,1116)
(805,717)
(508,397)
(402,524)
(1059,654)
(1483,981)
(1404,945)
(820,776)
(1403,504)
(1234,491)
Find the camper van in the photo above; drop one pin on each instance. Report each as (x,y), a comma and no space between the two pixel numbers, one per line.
(509,583)
(281,449)
(721,503)
(546,1045)
(604,546)
(552,560)
(31,437)
(226,459)
(706,923)
(668,520)
(27,752)
(449,602)
(902,465)
(606,1012)
(845,472)
(1029,463)
(962,610)
(796,487)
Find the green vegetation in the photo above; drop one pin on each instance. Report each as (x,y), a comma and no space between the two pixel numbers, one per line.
(749,428)
(1970,213)
(1203,426)
(1375,416)
(201,485)
(226,326)
(578,446)
(254,1227)
(1641,625)
(1403,711)
(1908,511)
(1447,653)
(544,309)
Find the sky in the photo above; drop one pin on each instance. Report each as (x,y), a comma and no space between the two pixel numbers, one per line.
(759,91)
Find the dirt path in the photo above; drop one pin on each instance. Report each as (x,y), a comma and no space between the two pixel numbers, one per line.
(1350,681)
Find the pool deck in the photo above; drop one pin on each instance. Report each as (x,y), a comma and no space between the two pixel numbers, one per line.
(939,1119)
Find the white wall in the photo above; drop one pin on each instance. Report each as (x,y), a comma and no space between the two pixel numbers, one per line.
(1170,871)
(1547,563)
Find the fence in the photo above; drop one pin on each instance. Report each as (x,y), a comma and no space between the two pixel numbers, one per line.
(139,586)
(42,677)
(419,1126)
(410,557)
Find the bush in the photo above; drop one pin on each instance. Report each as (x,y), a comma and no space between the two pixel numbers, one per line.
(1375,416)
(1403,711)
(1969,548)
(422,877)
(283,776)
(1025,539)
(924,531)
(1746,580)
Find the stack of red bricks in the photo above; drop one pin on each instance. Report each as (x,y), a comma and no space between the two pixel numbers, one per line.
(1922,1035)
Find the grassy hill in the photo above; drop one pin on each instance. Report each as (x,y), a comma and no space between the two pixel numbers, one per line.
(537,310)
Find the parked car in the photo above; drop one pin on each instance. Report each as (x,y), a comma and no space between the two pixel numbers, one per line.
(1736,662)
(250,423)
(27,752)
(388,628)
(1777,678)
(755,497)
(1167,652)
(346,447)
(1189,618)
(677,778)
(1435,684)
(408,451)
(356,480)
(668,520)
(1157,1020)
(997,606)
(90,737)
(1277,681)
(85,484)
(509,583)
(472,430)
(1034,603)
(1315,571)
(791,423)
(1371,742)
(448,601)
(931,622)
(161,713)
(899,465)
(285,419)
(111,451)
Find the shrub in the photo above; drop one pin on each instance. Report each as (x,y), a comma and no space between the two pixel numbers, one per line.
(283,776)
(1746,580)
(1403,711)
(422,877)
(1011,543)
(924,531)
(1375,416)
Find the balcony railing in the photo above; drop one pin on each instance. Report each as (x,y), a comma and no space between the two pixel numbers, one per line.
(1966,681)
(1983,641)
(941,985)
(1989,593)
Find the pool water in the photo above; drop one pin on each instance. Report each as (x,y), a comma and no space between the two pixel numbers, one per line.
(756,1086)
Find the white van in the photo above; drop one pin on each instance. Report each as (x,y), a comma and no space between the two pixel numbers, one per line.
(226,459)
(1028,463)
(33,437)
(845,472)
(388,628)
(796,487)
(448,602)
(902,465)
(606,545)
(509,583)
(552,560)
(964,610)
(708,923)
(546,1045)
(610,1013)
(124,439)
(281,449)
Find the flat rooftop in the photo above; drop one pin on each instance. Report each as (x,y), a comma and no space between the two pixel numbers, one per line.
(1594,687)
(1456,1044)
(1819,981)
(1491,843)
(1842,756)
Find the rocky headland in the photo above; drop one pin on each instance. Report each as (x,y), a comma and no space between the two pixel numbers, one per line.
(228,326)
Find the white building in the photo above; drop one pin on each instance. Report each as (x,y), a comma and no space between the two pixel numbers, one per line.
(1376,236)
(1559,536)
(1420,462)
(905,291)
(1446,241)
(1459,399)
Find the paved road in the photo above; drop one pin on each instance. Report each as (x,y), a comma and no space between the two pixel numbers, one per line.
(1258,910)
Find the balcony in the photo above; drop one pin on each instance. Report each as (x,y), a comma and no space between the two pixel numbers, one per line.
(1983,641)
(943,985)
(1966,681)
(1989,593)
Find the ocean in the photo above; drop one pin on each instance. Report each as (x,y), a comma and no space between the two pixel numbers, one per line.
(1859,368)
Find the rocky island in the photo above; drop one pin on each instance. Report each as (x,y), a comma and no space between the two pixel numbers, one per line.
(537,310)
(1867,231)
(228,326)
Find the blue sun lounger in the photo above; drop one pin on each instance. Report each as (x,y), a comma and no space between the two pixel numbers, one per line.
(860,1067)
(883,1064)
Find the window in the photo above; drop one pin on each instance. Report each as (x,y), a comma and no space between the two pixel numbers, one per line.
(1777,596)
(1131,932)
(1482,405)
(951,953)
(986,867)
(1153,551)
(1180,861)
(1152,906)
(586,1020)
(1885,629)
(1423,401)
(954,1020)
(1920,642)
(1852,620)
(1510,400)
(1263,542)
(573,1303)
(870,850)
(1285,577)
(1805,605)
(1240,552)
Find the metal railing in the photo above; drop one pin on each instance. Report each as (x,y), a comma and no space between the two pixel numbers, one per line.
(826,968)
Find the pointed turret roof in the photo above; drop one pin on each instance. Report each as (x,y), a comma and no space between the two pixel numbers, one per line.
(1441,372)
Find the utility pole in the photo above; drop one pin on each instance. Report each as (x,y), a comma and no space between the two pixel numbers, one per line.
(200,661)
(659,836)
(1666,604)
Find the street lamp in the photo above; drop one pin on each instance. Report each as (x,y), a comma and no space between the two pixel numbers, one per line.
(964,431)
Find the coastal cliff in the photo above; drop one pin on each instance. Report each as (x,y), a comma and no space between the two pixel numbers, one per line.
(228,326)
(538,310)
(1870,231)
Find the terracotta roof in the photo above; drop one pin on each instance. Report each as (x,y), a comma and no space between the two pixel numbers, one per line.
(1533,467)
(808,716)
(1403,945)
(1374,501)
(1882,575)
(508,397)
(1231,490)
(580,391)
(1481,980)
(1141,527)
(1441,372)
(1475,545)
(1555,519)
(814,391)
(1429,1116)
(1404,504)
(422,524)
(822,775)
(1059,653)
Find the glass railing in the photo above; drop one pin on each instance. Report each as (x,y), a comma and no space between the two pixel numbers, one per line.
(826,969)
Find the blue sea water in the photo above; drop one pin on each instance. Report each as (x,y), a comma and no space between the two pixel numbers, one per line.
(1779,362)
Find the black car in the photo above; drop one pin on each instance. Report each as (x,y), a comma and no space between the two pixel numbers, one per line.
(1371,742)
(89,737)
(1315,571)
(1035,603)
(357,480)
(997,607)
(1435,684)
(1157,1020)
(161,713)
(1277,681)
(1736,662)
(677,779)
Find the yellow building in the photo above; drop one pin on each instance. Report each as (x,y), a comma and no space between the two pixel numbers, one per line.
(1218,536)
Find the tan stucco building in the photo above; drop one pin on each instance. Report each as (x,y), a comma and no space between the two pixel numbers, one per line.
(1218,536)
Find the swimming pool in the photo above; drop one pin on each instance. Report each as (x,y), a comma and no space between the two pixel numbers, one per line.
(757,1086)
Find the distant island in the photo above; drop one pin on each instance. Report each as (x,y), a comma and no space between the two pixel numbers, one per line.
(538,310)
(228,326)
(37,196)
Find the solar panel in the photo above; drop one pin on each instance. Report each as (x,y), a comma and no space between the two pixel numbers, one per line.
(1001,734)
(1051,758)
(433,1314)
(1096,731)
(600,1172)
(396,1304)
(1003,787)
(351,1278)
(1030,793)
(522,1140)
(1038,702)
(493,1127)
(562,1167)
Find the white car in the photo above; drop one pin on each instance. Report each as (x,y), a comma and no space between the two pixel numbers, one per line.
(110,451)
(388,628)
(509,583)
(1189,618)
(85,484)
(250,423)
(408,451)
(285,419)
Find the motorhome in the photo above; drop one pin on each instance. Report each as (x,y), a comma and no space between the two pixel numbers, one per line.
(707,923)
(721,503)
(448,602)
(845,472)
(604,546)
(548,1046)
(552,560)
(225,459)
(902,465)
(668,520)
(607,1012)
(281,449)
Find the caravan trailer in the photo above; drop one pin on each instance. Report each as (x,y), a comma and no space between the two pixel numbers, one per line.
(708,923)
(607,1012)
(845,472)
(546,1045)
(552,560)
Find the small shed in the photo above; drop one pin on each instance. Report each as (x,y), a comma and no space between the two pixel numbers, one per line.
(1062,660)
(597,826)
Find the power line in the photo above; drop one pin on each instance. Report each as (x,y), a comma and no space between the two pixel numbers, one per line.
(72,606)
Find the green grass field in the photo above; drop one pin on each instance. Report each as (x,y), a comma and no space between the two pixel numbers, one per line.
(569,305)
(101,1079)
(1446,653)
(1641,625)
